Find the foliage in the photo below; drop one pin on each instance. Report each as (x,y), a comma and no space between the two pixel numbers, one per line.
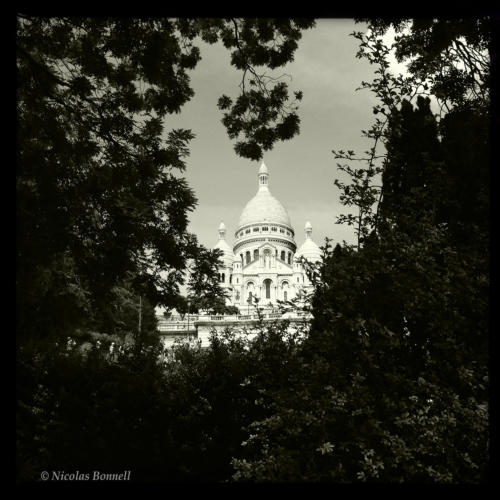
(447,61)
(449,57)
(389,384)
(204,290)
(101,202)
(176,414)
(261,114)
(102,215)
(393,382)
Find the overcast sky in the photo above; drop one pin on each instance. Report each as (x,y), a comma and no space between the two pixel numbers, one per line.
(302,170)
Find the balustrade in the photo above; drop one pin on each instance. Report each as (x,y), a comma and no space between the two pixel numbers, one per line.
(182,324)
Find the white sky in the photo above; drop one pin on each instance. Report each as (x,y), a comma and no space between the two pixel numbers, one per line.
(303,169)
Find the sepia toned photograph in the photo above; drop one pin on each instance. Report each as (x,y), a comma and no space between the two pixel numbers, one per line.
(253,250)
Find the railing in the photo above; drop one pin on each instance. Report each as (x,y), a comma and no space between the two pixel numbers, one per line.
(169,325)
(177,318)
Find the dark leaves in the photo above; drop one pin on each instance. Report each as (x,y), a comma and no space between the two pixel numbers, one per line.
(262,113)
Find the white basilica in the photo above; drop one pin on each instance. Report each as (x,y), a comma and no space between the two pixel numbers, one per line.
(264,260)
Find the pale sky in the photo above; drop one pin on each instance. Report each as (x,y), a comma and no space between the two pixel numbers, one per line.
(302,170)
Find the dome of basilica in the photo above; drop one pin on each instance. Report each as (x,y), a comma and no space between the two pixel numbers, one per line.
(227,253)
(309,250)
(264,207)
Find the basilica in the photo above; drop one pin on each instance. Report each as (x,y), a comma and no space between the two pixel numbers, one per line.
(264,262)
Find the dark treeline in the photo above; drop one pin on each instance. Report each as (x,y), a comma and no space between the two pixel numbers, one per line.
(389,384)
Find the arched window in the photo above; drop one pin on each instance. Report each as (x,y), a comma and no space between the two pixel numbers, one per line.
(283,255)
(298,279)
(242,261)
(248,257)
(250,296)
(255,254)
(289,258)
(230,279)
(267,284)
(285,296)
(223,277)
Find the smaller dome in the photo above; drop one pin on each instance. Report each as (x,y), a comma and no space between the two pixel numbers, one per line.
(227,253)
(309,250)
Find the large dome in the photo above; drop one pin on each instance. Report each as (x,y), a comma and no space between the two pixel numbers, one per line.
(264,207)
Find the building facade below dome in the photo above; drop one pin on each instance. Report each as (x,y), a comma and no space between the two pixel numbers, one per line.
(264,264)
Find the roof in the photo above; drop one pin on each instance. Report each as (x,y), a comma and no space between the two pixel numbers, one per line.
(228,255)
(264,208)
(309,250)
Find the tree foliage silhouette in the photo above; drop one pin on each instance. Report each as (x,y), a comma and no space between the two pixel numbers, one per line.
(101,200)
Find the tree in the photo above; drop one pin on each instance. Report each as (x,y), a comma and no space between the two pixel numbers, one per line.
(413,170)
(102,215)
(392,382)
(448,61)
(100,196)
(448,58)
(389,385)
(412,302)
(207,294)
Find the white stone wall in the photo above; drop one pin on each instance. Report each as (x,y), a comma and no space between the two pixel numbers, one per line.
(260,256)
